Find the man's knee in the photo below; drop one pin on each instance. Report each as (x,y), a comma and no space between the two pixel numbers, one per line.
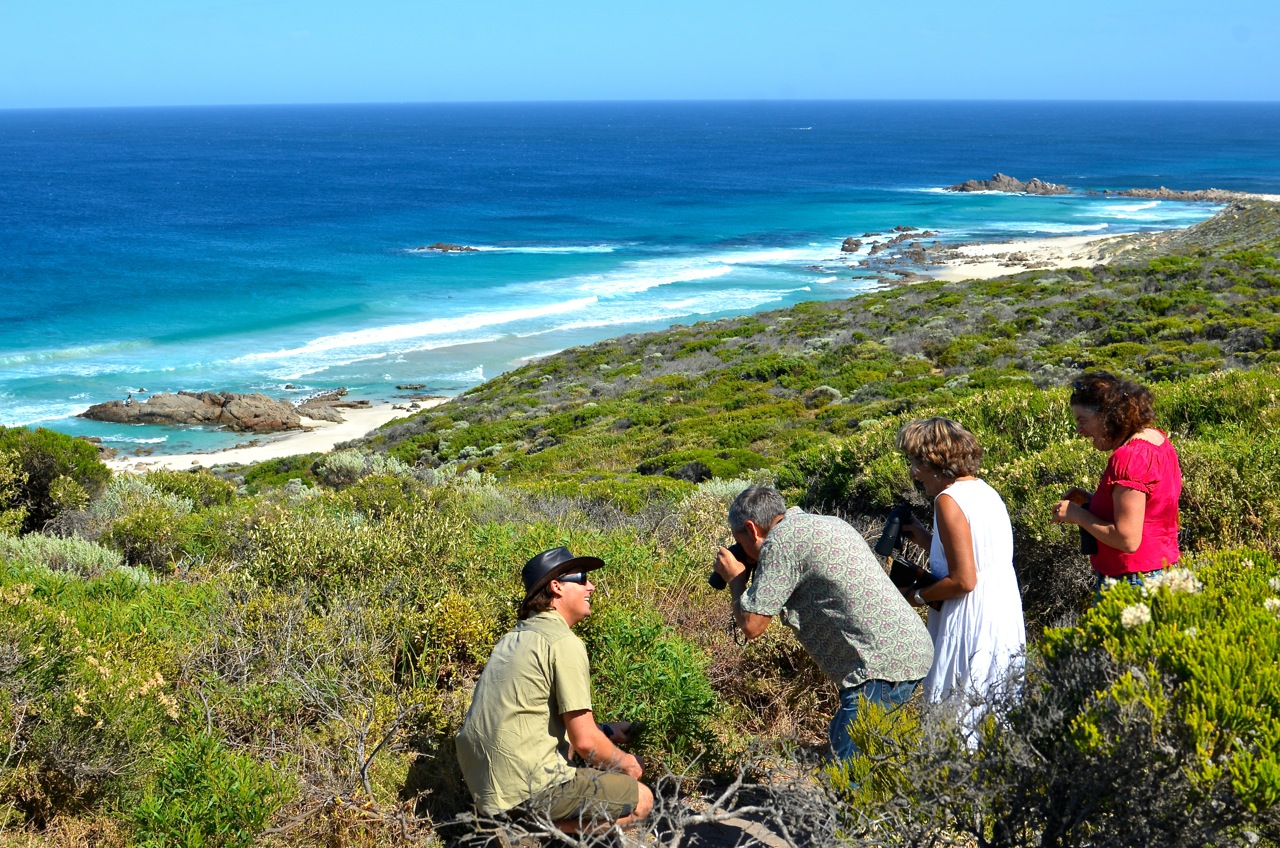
(644,806)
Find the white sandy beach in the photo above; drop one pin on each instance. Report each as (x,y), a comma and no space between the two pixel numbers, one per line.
(995,259)
(984,260)
(322,437)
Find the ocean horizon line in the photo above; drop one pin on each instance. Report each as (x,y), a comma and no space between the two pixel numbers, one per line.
(638,101)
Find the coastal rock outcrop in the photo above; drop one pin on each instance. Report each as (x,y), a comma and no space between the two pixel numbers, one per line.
(1210,195)
(1004,182)
(252,413)
(325,407)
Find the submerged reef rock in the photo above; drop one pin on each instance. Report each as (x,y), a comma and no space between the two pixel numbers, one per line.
(444,247)
(1004,182)
(255,413)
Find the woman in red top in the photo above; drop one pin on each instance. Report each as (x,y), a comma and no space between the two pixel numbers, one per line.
(1134,512)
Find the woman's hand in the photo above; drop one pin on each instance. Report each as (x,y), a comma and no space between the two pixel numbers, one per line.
(1124,533)
(1066,512)
(1077,495)
(918,533)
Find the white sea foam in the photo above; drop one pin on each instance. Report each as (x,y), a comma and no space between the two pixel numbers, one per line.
(566,249)
(493,248)
(1128,207)
(25,415)
(637,279)
(808,254)
(158,440)
(642,275)
(472,376)
(383,340)
(533,357)
(1049,227)
(328,361)
(37,357)
(707,303)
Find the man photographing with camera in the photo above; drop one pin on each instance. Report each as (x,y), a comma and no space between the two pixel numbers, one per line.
(819,575)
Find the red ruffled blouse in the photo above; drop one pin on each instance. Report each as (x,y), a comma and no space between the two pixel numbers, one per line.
(1154,470)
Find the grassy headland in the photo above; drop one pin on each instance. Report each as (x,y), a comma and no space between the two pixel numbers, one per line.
(289,652)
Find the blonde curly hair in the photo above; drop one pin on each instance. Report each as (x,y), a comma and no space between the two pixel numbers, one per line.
(941,444)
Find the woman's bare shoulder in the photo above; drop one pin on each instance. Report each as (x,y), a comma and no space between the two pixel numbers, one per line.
(1152,435)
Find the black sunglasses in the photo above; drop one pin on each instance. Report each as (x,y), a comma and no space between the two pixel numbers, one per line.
(573,577)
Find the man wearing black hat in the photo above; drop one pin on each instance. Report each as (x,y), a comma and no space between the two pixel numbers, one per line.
(533,701)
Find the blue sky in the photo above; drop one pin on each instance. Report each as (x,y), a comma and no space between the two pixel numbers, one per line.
(59,53)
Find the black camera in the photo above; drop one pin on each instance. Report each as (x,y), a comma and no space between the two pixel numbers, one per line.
(891,535)
(1088,542)
(717,582)
(903,573)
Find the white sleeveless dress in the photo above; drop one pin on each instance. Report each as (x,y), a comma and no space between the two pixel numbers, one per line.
(979,640)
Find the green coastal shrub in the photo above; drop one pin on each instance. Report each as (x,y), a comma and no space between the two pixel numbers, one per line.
(76,556)
(379,495)
(346,467)
(86,686)
(278,472)
(699,465)
(48,460)
(142,522)
(325,547)
(642,671)
(1229,496)
(208,795)
(1245,399)
(1193,671)
(199,486)
(12,479)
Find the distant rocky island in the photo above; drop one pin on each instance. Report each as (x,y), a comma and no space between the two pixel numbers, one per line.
(445,247)
(1012,185)
(241,413)
(1208,195)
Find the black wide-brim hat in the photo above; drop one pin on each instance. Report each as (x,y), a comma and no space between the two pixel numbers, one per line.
(549,565)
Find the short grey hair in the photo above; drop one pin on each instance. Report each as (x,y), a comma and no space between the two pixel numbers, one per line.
(757,504)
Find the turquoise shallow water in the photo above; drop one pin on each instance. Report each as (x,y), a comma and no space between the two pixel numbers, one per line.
(250,249)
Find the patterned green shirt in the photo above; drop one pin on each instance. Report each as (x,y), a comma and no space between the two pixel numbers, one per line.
(512,743)
(818,573)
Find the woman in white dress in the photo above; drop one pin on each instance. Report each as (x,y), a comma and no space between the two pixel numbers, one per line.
(979,637)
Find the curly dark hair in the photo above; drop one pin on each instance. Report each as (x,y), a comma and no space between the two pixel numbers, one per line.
(1125,406)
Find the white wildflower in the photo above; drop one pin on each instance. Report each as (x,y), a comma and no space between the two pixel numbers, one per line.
(1274,583)
(1272,605)
(1135,615)
(1181,580)
(1191,631)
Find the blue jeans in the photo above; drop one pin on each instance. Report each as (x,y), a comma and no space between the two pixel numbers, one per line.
(882,692)
(1136,578)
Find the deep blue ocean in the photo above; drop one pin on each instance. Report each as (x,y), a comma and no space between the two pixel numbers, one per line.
(251,248)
